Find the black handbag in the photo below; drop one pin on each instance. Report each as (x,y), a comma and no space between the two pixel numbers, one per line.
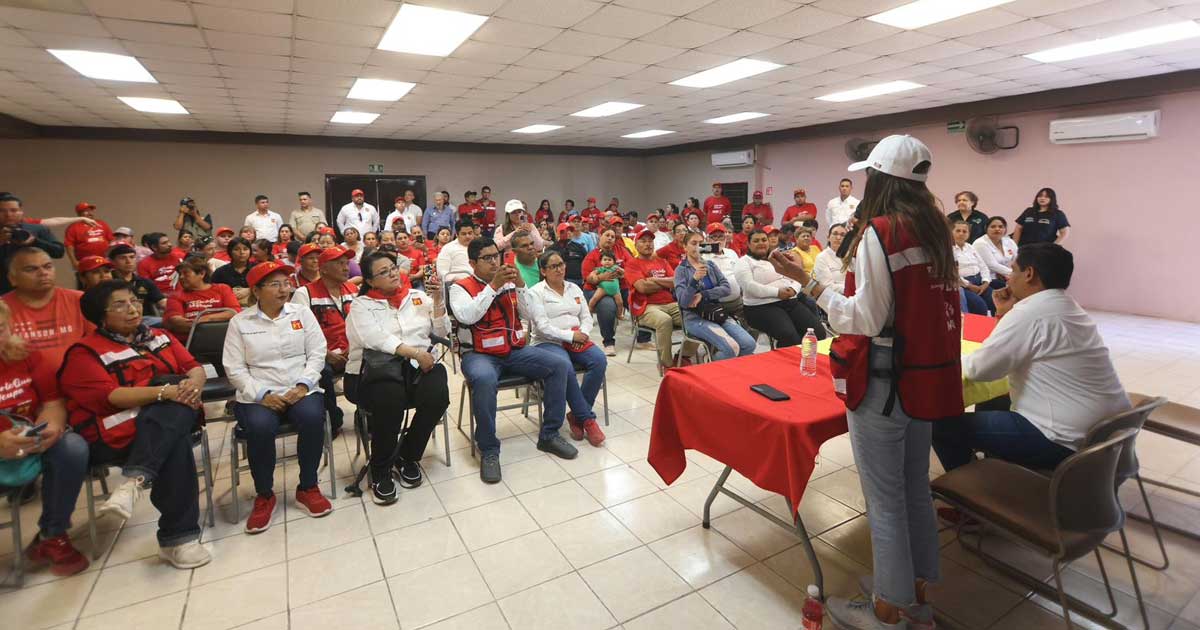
(379,367)
(712,312)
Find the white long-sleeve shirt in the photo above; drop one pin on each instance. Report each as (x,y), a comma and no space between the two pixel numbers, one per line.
(365,219)
(827,269)
(662,239)
(840,210)
(468,310)
(265,225)
(374,325)
(504,241)
(410,217)
(759,282)
(264,355)
(556,317)
(726,262)
(969,263)
(872,307)
(452,262)
(1060,375)
(997,262)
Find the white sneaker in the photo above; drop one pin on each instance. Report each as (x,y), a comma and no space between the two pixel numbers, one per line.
(122,501)
(610,350)
(189,555)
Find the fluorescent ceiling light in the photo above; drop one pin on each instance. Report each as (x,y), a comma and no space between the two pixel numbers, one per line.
(428,31)
(731,71)
(107,66)
(354,118)
(154,105)
(607,109)
(869,91)
(537,128)
(926,12)
(649,133)
(732,118)
(1126,41)
(379,89)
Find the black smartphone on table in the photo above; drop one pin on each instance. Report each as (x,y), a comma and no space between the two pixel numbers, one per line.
(768,392)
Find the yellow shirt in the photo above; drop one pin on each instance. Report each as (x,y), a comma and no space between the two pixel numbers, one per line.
(630,246)
(809,258)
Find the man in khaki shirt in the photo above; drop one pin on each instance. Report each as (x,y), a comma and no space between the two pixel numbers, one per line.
(305,220)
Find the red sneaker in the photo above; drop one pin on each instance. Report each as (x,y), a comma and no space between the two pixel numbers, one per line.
(576,428)
(64,559)
(312,502)
(260,516)
(953,517)
(595,436)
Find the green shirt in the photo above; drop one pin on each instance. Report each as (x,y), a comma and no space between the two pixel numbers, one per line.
(529,273)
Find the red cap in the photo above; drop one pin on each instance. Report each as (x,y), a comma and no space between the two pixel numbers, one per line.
(223,229)
(715,227)
(716,183)
(262,270)
(327,230)
(91,263)
(356,192)
(757,194)
(307,249)
(616,220)
(83,205)
(767,229)
(336,252)
(591,200)
(398,199)
(563,227)
(799,191)
(644,231)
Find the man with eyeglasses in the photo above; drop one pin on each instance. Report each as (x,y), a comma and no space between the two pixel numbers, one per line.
(358,214)
(489,305)
(47,317)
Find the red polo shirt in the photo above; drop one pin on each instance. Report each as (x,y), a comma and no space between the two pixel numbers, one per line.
(761,211)
(808,210)
(717,208)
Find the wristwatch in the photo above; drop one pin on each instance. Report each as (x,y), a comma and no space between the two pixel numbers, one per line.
(812,284)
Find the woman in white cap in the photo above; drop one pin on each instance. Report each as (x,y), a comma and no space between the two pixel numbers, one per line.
(898,367)
(515,220)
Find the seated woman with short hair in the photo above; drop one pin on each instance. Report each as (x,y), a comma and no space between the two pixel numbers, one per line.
(197,294)
(829,269)
(136,394)
(772,302)
(274,353)
(699,288)
(997,251)
(975,275)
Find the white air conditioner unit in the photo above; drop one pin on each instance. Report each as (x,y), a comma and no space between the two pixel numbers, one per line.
(733,159)
(1112,128)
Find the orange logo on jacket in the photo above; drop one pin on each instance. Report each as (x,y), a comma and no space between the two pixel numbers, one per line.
(416,301)
(296,325)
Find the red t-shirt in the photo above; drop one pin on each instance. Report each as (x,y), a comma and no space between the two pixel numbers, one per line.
(762,212)
(640,268)
(792,212)
(190,304)
(717,208)
(159,270)
(543,214)
(89,240)
(52,328)
(740,243)
(592,260)
(418,259)
(672,253)
(25,385)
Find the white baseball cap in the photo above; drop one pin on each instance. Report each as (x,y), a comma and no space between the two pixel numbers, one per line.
(513,205)
(897,155)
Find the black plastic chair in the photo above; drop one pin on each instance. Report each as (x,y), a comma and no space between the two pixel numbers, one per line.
(206,342)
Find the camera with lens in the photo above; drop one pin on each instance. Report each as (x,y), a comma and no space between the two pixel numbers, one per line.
(188,201)
(19,236)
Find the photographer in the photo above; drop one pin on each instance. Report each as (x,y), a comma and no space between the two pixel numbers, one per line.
(191,219)
(699,288)
(16,233)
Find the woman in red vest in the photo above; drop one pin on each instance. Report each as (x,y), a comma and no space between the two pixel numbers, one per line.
(896,364)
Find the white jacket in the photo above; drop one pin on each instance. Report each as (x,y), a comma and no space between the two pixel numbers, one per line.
(374,325)
(556,317)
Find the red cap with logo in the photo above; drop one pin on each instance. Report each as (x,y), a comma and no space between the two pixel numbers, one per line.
(643,232)
(306,249)
(223,229)
(83,205)
(357,192)
(336,252)
(799,191)
(91,263)
(563,227)
(591,200)
(616,220)
(262,270)
(714,227)
(767,229)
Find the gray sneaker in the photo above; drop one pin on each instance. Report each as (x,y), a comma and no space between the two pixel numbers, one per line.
(489,468)
(558,447)
(858,614)
(920,616)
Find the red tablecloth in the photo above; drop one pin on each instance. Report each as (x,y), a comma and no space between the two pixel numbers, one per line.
(711,409)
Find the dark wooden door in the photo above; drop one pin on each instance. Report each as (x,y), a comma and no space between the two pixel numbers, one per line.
(738,194)
(378,190)
(389,188)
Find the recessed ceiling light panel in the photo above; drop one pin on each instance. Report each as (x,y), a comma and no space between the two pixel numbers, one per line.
(606,109)
(379,89)
(878,89)
(105,66)
(422,30)
(354,118)
(153,105)
(649,133)
(1125,41)
(732,118)
(731,71)
(537,128)
(926,12)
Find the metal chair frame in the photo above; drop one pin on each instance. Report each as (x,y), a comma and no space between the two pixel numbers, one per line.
(236,468)
(13,494)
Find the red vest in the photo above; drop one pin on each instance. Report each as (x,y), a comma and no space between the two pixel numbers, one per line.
(499,331)
(331,312)
(116,427)
(926,372)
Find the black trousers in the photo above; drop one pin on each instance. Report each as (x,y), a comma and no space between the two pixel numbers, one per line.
(335,413)
(386,401)
(161,451)
(785,321)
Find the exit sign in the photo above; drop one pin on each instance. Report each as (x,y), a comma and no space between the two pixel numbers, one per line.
(956,126)
(770,190)
(375,168)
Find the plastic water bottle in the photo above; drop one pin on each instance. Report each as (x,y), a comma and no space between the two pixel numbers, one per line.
(808,354)
(813,610)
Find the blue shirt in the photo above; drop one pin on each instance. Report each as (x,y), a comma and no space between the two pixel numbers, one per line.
(589,241)
(434,220)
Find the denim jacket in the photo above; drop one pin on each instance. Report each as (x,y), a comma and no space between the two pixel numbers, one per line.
(713,288)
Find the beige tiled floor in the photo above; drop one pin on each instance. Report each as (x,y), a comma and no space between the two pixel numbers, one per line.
(595,543)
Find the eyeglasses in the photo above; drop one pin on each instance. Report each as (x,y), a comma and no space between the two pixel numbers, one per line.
(134,305)
(390,270)
(275,285)
(490,258)
(556,266)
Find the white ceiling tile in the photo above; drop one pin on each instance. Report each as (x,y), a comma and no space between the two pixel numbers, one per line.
(468,67)
(337,32)
(622,22)
(366,12)
(168,11)
(900,42)
(801,22)
(388,58)
(695,61)
(1039,8)
(258,74)
(51,22)
(963,27)
(970,58)
(744,43)
(276,6)
(154,33)
(75,42)
(1099,30)
(535,75)
(411,75)
(1021,31)
(659,74)
(877,66)
(851,34)
(552,61)
(666,7)
(859,8)
(643,52)
(511,32)
(158,67)
(939,50)
(690,32)
(237,42)
(241,21)
(495,53)
(794,52)
(581,43)
(272,62)
(741,14)
(608,68)
(445,78)
(313,66)
(557,13)
(144,51)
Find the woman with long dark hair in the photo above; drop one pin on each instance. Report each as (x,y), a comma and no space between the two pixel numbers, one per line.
(1042,222)
(896,364)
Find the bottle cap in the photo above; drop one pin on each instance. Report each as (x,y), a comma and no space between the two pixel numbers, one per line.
(810,330)
(813,591)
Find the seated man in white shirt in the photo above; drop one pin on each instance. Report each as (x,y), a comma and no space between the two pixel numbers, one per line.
(718,235)
(452,261)
(1061,377)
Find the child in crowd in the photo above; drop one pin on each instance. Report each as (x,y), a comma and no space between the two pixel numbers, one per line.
(608,262)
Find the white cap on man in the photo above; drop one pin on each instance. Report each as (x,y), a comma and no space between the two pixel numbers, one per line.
(898,155)
(513,205)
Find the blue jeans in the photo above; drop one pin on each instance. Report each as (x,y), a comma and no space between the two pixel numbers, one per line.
(606,314)
(260,425)
(483,371)
(1005,435)
(582,398)
(63,468)
(979,304)
(892,453)
(729,339)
